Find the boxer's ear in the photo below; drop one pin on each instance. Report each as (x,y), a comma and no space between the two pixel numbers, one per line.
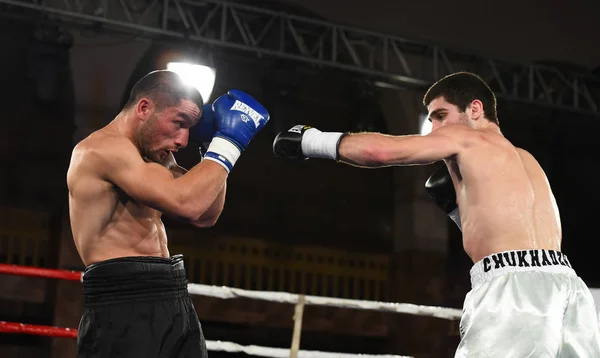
(476,109)
(144,108)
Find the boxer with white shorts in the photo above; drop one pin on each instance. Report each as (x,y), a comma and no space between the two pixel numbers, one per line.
(526,299)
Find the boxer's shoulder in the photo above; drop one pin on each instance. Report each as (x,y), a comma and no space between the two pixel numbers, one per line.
(464,136)
(488,140)
(101,152)
(532,166)
(525,155)
(102,146)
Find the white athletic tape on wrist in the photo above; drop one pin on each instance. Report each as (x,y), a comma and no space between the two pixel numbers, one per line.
(317,144)
(223,152)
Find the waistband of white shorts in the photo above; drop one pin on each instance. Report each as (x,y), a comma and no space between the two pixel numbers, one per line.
(519,260)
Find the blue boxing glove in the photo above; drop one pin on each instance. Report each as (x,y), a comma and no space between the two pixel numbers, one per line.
(238,118)
(204,131)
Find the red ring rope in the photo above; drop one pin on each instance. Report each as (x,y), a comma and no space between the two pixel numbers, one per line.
(40,272)
(13,327)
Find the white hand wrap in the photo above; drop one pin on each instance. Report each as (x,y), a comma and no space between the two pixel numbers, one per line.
(223,152)
(317,144)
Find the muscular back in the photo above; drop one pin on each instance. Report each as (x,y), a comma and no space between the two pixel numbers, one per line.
(504,198)
(105,221)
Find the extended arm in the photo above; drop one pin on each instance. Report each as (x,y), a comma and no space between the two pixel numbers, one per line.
(379,150)
(374,150)
(371,150)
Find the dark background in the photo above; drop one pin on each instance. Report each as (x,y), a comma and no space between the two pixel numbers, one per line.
(51,98)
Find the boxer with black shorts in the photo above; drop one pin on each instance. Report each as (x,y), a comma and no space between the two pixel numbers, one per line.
(526,299)
(122,179)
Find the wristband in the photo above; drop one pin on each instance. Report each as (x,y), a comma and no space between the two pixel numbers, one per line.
(223,152)
(317,144)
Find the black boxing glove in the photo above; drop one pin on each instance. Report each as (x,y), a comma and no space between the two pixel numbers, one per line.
(441,191)
(302,142)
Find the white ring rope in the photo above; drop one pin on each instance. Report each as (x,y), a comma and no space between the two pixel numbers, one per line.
(285,297)
(285,353)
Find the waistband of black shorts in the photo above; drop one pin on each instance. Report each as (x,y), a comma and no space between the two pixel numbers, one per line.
(135,278)
(519,260)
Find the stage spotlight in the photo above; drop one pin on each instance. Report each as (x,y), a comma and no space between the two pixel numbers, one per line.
(199,76)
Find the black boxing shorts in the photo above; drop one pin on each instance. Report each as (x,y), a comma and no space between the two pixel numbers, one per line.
(138,307)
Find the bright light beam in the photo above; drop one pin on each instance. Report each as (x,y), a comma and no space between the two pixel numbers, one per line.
(199,76)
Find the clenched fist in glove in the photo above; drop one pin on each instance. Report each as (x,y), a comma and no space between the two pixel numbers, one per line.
(441,191)
(303,142)
(237,119)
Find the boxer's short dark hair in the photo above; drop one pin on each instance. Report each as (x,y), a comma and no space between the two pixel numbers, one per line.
(165,88)
(461,89)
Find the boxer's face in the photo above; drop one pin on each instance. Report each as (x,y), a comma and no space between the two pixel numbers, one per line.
(167,129)
(443,113)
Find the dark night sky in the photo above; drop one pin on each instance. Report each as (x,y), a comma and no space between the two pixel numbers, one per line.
(521,30)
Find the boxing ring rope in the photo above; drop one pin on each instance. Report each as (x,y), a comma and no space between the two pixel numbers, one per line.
(228,293)
(21,328)
(282,297)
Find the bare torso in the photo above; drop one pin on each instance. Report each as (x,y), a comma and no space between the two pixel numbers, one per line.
(105,222)
(504,198)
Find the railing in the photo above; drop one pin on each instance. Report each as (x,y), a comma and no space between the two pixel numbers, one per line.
(24,237)
(231,261)
(257,265)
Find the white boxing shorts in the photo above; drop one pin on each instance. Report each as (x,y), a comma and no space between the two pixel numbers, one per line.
(528,303)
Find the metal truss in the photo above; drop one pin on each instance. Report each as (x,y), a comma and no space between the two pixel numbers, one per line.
(387,59)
